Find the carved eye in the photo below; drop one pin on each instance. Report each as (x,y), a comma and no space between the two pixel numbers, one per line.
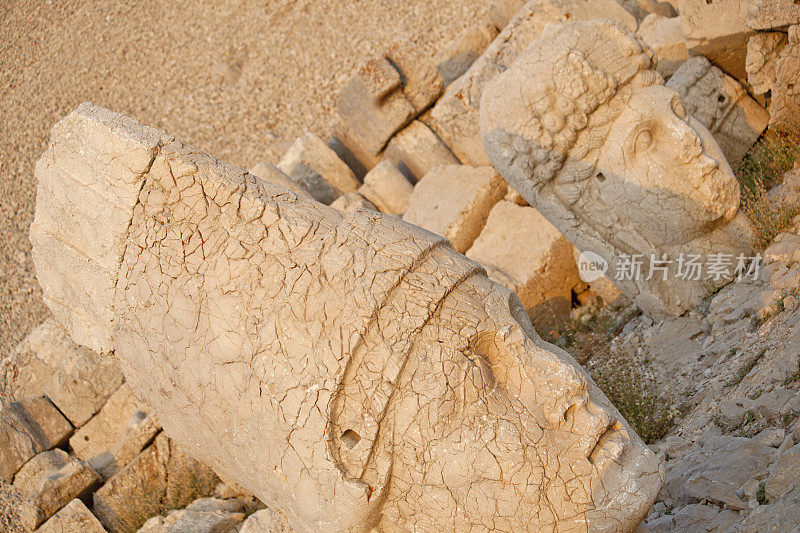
(643,142)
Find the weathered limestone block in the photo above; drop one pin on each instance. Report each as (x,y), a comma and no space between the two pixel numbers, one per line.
(454,118)
(717,29)
(461,53)
(665,37)
(662,9)
(772,14)
(265,520)
(415,150)
(45,418)
(763,50)
(123,153)
(109,440)
(454,201)
(208,517)
(627,173)
(320,172)
(502,11)
(21,437)
(387,188)
(353,201)
(312,356)
(269,172)
(720,104)
(75,379)
(784,474)
(521,250)
(385,95)
(73,518)
(785,108)
(159,479)
(74,480)
(40,466)
(18,514)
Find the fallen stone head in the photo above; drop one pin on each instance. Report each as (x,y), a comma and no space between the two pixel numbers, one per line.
(351,370)
(585,129)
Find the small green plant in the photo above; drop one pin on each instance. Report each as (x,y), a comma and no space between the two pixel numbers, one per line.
(627,381)
(761,493)
(592,332)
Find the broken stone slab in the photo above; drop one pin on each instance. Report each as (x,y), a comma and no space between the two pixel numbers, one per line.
(422,83)
(521,250)
(387,188)
(22,437)
(763,50)
(695,517)
(785,108)
(416,149)
(784,475)
(18,513)
(665,37)
(454,201)
(265,520)
(662,9)
(40,466)
(46,418)
(717,30)
(353,201)
(269,172)
(72,518)
(160,478)
(311,152)
(110,439)
(772,14)
(587,173)
(130,148)
(502,11)
(74,480)
(456,58)
(454,118)
(721,104)
(194,521)
(715,471)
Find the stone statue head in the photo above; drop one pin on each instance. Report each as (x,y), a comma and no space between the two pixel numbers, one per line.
(351,370)
(585,129)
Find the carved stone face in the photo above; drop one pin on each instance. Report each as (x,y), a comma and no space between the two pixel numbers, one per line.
(658,159)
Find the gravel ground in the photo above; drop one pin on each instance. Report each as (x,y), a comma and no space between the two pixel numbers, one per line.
(238,79)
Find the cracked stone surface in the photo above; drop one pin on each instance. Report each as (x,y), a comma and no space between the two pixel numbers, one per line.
(351,370)
(763,50)
(585,130)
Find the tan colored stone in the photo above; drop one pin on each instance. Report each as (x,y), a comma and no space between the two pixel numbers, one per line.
(763,50)
(160,478)
(521,250)
(721,104)
(352,201)
(502,11)
(422,83)
(20,439)
(18,514)
(785,108)
(265,520)
(194,521)
(40,466)
(310,355)
(662,9)
(387,188)
(772,14)
(454,118)
(461,53)
(629,174)
(72,518)
(74,480)
(415,150)
(717,29)
(269,172)
(665,37)
(454,201)
(46,418)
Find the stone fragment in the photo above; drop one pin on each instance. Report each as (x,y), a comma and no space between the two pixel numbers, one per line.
(461,53)
(20,439)
(662,9)
(454,118)
(40,466)
(784,475)
(606,174)
(720,104)
(265,520)
(715,471)
(695,517)
(521,250)
(665,37)
(387,188)
(502,11)
(74,480)
(80,252)
(763,50)
(309,355)
(75,379)
(353,201)
(783,515)
(785,108)
(422,83)
(160,478)
(72,518)
(717,29)
(46,418)
(117,427)
(18,514)
(194,521)
(415,150)
(317,168)
(454,201)
(269,172)
(772,14)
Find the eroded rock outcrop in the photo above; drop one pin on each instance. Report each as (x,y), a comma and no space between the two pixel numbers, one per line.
(351,370)
(584,128)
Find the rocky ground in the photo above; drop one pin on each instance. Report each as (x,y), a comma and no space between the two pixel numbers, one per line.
(237,79)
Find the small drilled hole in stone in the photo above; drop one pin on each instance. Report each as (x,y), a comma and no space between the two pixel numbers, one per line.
(350,438)
(720,99)
(601,177)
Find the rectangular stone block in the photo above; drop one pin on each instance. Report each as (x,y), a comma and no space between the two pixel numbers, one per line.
(456,58)
(269,172)
(772,14)
(415,150)
(74,480)
(72,518)
(387,188)
(785,109)
(20,440)
(665,37)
